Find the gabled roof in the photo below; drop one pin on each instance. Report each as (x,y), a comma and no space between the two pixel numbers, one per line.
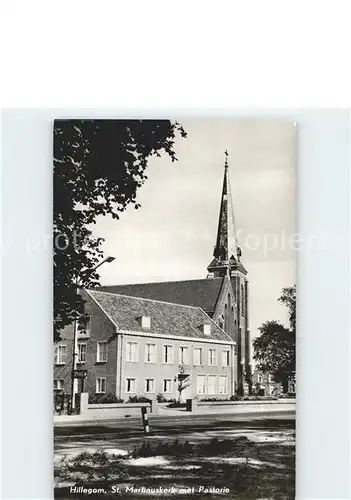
(166,319)
(199,293)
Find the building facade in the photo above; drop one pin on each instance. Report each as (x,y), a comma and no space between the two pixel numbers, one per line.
(264,384)
(140,347)
(193,330)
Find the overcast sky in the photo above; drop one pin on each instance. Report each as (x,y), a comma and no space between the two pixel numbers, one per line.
(172,235)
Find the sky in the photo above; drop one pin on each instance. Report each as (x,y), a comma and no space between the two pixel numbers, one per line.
(172,236)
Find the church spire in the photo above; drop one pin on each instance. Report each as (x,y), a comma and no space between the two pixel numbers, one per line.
(227,252)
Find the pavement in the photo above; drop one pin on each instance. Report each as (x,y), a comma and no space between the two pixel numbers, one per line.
(121,436)
(165,411)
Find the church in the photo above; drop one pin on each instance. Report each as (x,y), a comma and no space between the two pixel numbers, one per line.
(144,339)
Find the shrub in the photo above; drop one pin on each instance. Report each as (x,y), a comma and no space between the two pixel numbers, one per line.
(177,404)
(104,398)
(161,399)
(213,400)
(236,397)
(139,399)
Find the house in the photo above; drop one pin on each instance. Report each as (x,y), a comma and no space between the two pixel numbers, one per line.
(144,347)
(264,384)
(198,328)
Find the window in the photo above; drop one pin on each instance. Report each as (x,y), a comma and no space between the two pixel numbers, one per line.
(226,358)
(100,385)
(222,384)
(168,354)
(270,378)
(183,355)
(221,322)
(82,353)
(167,385)
(60,354)
(212,384)
(242,301)
(198,356)
(101,352)
(207,330)
(132,351)
(131,385)
(84,327)
(212,357)
(149,385)
(145,322)
(201,384)
(150,353)
(259,378)
(59,384)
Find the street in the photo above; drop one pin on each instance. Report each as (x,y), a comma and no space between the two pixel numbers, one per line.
(123,435)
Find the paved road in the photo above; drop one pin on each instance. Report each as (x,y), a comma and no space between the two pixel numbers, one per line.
(125,434)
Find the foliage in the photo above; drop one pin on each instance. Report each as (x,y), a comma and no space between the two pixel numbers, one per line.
(139,399)
(161,399)
(275,347)
(176,404)
(104,398)
(99,165)
(239,398)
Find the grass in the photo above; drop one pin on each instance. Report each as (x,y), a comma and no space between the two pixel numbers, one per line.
(250,470)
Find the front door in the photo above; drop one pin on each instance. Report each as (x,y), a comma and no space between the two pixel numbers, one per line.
(185,382)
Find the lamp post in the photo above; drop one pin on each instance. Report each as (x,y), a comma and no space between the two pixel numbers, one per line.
(108,259)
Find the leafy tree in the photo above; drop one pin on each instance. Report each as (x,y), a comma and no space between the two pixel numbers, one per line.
(98,167)
(275,347)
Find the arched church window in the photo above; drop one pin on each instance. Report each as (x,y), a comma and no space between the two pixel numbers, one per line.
(242,301)
(226,318)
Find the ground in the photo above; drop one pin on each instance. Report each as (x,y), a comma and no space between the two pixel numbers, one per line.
(253,457)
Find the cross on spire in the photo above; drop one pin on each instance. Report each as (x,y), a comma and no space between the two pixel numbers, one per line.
(226,158)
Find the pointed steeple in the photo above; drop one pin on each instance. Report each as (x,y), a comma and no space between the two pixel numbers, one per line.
(227,252)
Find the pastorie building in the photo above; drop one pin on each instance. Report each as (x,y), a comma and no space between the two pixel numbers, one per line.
(143,339)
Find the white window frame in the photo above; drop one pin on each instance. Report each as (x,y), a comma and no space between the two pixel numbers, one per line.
(98,352)
(170,385)
(130,342)
(59,382)
(226,358)
(187,352)
(147,345)
(135,385)
(153,386)
(259,378)
(79,360)
(57,356)
(171,346)
(99,380)
(146,322)
(210,362)
(225,378)
(205,384)
(201,360)
(215,385)
(270,378)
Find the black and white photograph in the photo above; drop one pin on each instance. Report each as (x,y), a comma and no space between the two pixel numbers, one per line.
(174,305)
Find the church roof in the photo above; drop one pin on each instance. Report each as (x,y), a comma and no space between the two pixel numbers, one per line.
(199,293)
(166,319)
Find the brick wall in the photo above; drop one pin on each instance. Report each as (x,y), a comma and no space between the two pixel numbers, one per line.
(101,330)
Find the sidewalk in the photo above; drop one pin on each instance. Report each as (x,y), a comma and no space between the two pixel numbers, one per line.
(164,411)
